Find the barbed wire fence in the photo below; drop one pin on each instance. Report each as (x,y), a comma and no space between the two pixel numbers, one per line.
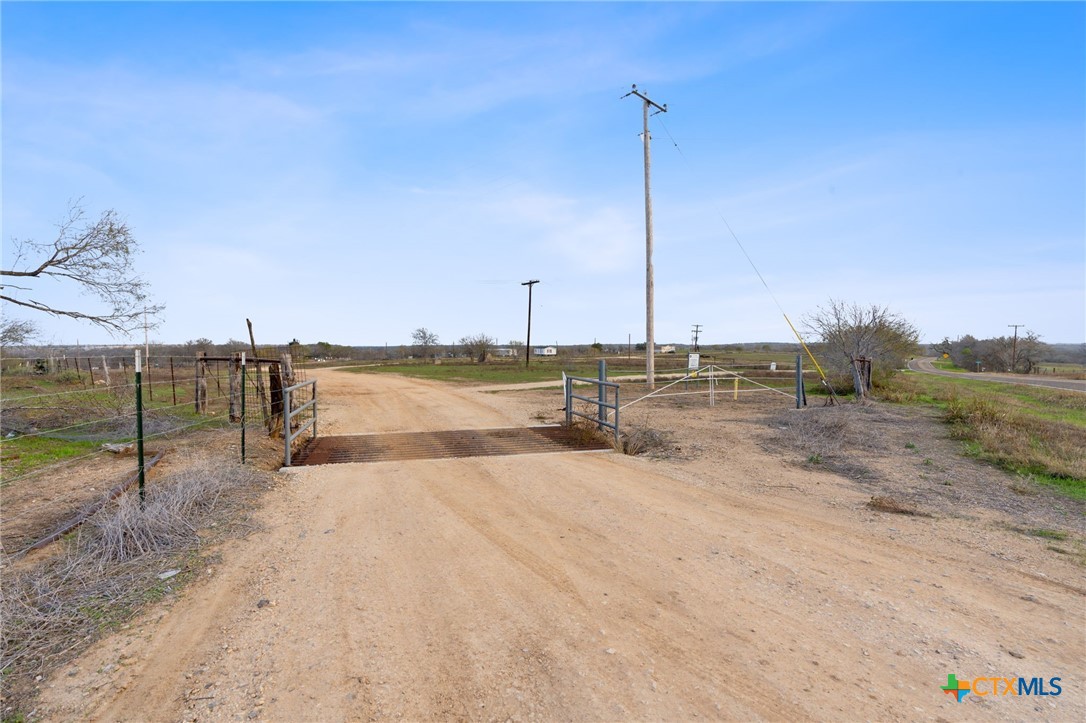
(70,426)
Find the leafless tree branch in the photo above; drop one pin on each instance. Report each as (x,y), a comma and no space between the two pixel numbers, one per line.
(97,256)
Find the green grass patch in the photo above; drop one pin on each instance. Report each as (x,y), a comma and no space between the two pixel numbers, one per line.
(947,366)
(543,370)
(71,419)
(1066,486)
(1037,432)
(21,454)
(506,372)
(1046,533)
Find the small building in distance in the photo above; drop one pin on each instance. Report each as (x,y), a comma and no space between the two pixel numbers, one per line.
(505,351)
(667,349)
(545,351)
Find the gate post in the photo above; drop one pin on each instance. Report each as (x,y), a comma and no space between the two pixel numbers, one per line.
(286,426)
(569,398)
(602,413)
(801,393)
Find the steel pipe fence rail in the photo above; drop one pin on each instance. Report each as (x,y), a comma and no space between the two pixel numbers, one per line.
(290,412)
(714,374)
(602,417)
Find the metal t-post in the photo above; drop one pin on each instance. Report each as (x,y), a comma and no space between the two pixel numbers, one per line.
(139,424)
(243,407)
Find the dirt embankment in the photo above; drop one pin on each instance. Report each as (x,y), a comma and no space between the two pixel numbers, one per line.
(728,580)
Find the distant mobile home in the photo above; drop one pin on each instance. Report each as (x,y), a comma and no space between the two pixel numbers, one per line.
(545,351)
(505,351)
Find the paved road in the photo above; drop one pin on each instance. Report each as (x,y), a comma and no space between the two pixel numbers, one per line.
(925,365)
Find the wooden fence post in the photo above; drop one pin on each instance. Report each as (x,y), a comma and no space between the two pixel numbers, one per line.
(275,384)
(235,387)
(201,383)
(105,370)
(286,371)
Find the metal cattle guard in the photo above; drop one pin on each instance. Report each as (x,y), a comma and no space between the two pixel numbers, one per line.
(289,413)
(600,401)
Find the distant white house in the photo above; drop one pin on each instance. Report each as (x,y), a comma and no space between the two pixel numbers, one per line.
(545,351)
(667,349)
(505,351)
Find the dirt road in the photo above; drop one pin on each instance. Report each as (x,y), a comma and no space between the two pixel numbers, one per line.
(583,586)
(926,366)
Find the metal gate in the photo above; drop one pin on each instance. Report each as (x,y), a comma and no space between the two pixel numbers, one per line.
(603,406)
(290,412)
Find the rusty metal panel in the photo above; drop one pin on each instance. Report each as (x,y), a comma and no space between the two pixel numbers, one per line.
(398,446)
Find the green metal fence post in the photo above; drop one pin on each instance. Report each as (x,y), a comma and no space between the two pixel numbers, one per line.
(139,423)
(243,407)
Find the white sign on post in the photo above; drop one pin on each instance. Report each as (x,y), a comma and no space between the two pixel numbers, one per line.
(693,360)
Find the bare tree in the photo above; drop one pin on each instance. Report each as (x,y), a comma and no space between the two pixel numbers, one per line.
(945,347)
(97,256)
(424,340)
(854,334)
(1031,351)
(16,332)
(965,353)
(478,347)
(1001,353)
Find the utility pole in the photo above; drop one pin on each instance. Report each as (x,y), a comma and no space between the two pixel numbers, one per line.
(1014,347)
(650,341)
(696,331)
(528,341)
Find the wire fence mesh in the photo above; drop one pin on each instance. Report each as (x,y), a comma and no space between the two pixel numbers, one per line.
(68,425)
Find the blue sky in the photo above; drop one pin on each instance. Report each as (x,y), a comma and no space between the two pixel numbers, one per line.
(348,172)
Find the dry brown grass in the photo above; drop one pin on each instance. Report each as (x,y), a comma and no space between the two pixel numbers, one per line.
(649,442)
(109,570)
(1016,440)
(882,503)
(826,432)
(1029,430)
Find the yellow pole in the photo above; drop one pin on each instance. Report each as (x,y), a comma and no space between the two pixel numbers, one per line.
(735,388)
(804,345)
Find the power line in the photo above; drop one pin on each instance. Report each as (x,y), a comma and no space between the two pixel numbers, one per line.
(761,278)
